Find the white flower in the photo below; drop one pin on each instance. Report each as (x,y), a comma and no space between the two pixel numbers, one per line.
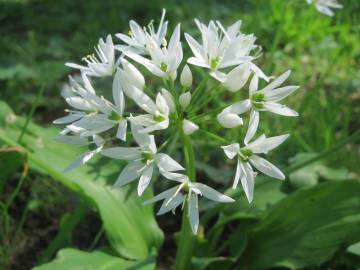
(93,114)
(187,191)
(189,127)
(186,78)
(157,117)
(139,37)
(265,99)
(164,60)
(222,48)
(95,144)
(103,64)
(142,159)
(325,6)
(247,157)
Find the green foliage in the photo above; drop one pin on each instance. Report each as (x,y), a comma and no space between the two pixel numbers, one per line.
(130,227)
(306,228)
(79,260)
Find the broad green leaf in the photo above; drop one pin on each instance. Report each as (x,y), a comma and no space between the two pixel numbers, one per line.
(202,263)
(130,226)
(73,259)
(311,175)
(306,228)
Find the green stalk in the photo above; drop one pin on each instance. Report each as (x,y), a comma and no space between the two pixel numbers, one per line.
(31,113)
(187,239)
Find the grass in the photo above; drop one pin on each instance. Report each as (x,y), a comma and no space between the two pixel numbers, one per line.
(39,36)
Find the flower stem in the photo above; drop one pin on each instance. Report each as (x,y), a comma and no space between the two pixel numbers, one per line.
(187,239)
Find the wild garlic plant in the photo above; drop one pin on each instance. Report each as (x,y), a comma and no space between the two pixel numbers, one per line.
(137,120)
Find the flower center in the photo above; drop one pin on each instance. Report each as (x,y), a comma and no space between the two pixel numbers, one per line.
(245,154)
(163,67)
(114,116)
(159,117)
(214,62)
(185,189)
(257,100)
(147,156)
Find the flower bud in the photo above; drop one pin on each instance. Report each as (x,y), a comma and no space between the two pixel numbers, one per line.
(132,75)
(189,127)
(186,78)
(237,77)
(185,99)
(229,120)
(169,99)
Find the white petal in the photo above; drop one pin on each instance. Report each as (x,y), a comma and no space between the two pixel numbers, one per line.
(178,177)
(253,125)
(189,127)
(194,46)
(171,205)
(74,140)
(141,139)
(163,195)
(253,84)
(142,100)
(231,150)
(133,75)
(166,163)
(212,194)
(280,93)
(69,118)
(277,82)
(240,107)
(121,132)
(193,212)
(118,94)
(131,172)
(79,103)
(266,167)
(81,160)
(247,180)
(198,62)
(279,109)
(145,179)
(237,174)
(162,104)
(124,153)
(237,77)
(264,145)
(158,126)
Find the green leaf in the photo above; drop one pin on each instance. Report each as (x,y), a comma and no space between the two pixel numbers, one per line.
(130,226)
(311,174)
(202,263)
(306,228)
(74,259)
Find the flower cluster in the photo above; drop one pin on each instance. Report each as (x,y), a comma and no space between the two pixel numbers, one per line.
(325,6)
(97,121)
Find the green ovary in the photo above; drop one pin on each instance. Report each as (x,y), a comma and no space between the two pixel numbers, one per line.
(245,154)
(257,100)
(163,67)
(114,116)
(214,62)
(147,156)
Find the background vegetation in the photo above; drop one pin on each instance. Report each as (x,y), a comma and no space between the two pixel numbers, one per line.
(309,221)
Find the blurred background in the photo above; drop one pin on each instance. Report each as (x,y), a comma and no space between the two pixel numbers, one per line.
(38,37)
